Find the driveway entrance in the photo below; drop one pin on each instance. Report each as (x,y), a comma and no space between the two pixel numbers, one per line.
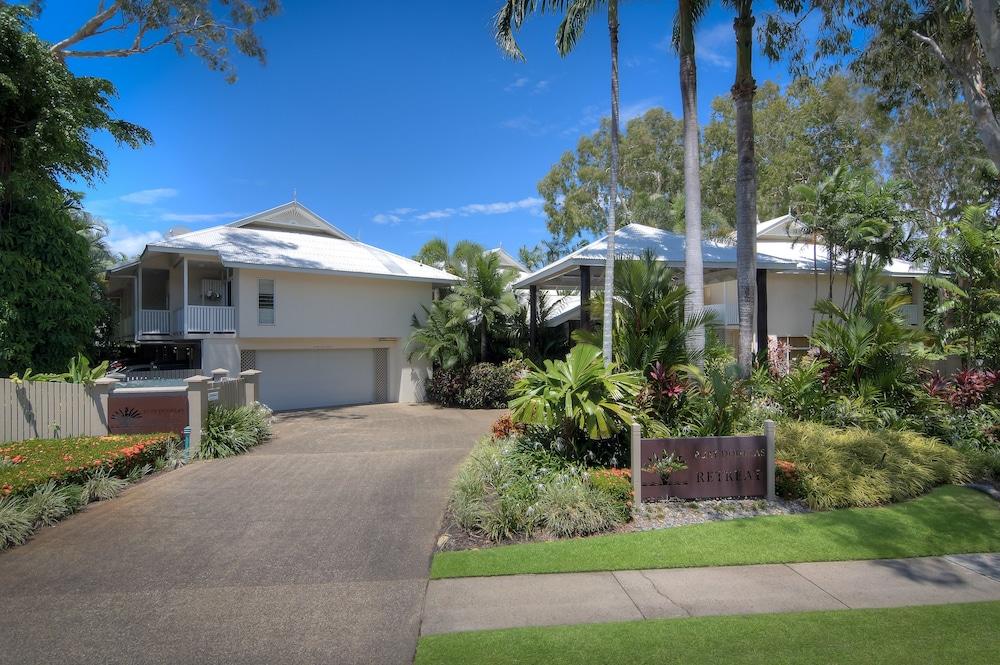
(314,548)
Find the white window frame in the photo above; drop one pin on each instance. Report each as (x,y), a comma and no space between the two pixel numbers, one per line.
(273,309)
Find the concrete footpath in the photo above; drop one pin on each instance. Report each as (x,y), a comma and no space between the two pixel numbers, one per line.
(478,603)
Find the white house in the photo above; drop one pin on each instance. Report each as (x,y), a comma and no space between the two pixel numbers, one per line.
(325,317)
(787,263)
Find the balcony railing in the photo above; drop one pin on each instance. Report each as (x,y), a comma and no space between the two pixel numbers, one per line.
(154,322)
(205,319)
(725,314)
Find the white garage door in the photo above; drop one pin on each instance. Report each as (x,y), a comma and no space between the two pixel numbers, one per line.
(310,378)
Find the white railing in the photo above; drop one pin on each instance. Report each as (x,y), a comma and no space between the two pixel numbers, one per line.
(210,319)
(912,314)
(726,314)
(154,321)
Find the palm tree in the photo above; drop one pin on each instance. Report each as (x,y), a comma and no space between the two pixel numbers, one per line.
(746,182)
(435,252)
(484,298)
(508,19)
(688,14)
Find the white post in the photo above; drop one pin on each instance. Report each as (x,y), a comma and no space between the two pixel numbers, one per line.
(197,394)
(251,384)
(184,301)
(769,435)
(637,465)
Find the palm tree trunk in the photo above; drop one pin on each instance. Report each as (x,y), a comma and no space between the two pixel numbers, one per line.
(609,264)
(746,184)
(482,341)
(694,277)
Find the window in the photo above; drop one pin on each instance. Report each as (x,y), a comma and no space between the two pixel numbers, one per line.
(265,302)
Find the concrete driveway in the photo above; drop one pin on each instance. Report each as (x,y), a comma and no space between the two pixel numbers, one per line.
(314,548)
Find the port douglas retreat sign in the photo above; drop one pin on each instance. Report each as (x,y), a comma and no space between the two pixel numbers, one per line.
(703,467)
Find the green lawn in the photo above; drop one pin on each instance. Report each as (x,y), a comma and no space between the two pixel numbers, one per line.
(949,520)
(930,634)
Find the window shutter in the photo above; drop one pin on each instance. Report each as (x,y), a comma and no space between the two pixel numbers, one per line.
(265,302)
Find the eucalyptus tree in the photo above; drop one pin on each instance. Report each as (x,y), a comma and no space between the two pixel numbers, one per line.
(688,14)
(746,182)
(577,12)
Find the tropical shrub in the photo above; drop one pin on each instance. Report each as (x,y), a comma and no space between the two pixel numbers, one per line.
(579,396)
(514,488)
(231,432)
(840,468)
(49,503)
(440,339)
(505,428)
(445,386)
(16,524)
(616,483)
(488,386)
(79,370)
(73,460)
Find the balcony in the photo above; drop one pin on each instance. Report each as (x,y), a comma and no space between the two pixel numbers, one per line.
(154,322)
(205,320)
(724,314)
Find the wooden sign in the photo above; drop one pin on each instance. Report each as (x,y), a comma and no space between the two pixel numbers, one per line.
(711,467)
(131,413)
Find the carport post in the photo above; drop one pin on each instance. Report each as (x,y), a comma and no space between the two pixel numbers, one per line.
(251,383)
(533,319)
(197,394)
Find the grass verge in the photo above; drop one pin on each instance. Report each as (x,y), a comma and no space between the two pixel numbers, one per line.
(949,520)
(928,634)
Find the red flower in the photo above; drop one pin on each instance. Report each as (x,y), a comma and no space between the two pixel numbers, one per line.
(17,459)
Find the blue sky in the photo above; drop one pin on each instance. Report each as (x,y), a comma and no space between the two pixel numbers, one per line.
(396,121)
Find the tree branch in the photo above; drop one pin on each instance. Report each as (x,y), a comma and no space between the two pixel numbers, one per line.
(88,29)
(988,27)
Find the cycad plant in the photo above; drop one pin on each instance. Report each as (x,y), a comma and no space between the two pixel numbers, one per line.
(579,396)
(649,322)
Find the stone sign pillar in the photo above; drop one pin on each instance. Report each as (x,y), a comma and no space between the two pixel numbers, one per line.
(197,394)
(251,383)
(102,390)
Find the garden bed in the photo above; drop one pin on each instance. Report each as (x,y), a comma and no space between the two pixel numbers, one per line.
(27,464)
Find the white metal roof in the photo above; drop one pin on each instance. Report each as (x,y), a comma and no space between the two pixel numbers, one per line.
(634,239)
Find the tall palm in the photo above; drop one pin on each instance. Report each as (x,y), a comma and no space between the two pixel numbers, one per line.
(688,14)
(508,19)
(746,182)
(484,298)
(435,252)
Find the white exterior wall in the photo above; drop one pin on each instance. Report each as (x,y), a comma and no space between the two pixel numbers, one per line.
(314,311)
(221,353)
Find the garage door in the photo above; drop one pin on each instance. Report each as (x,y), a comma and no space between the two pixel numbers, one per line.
(304,379)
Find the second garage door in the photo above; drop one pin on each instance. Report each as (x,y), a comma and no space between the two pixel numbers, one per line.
(303,379)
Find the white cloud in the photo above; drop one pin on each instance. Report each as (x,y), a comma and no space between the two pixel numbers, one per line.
(540,87)
(638,108)
(716,45)
(149,196)
(402,211)
(517,83)
(194,218)
(436,214)
(128,242)
(386,218)
(531,203)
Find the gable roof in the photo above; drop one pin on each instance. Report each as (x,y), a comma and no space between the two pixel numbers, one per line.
(292,238)
(506,260)
(291,216)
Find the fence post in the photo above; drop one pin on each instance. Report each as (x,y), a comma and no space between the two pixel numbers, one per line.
(769,436)
(637,465)
(103,388)
(219,374)
(251,384)
(197,394)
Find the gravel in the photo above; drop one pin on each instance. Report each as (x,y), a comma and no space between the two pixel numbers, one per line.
(681,512)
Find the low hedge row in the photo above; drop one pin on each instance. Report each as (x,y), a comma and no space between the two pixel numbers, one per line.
(26,464)
(482,386)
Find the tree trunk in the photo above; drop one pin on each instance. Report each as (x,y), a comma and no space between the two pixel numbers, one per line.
(609,264)
(985,14)
(482,341)
(694,276)
(746,185)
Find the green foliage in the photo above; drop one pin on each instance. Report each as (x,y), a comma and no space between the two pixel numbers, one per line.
(73,460)
(51,301)
(482,386)
(649,322)
(79,371)
(440,339)
(717,401)
(512,488)
(857,467)
(231,432)
(15,522)
(579,396)
(49,503)
(103,486)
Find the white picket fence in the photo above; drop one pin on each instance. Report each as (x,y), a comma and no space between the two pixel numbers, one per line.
(227,394)
(34,410)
